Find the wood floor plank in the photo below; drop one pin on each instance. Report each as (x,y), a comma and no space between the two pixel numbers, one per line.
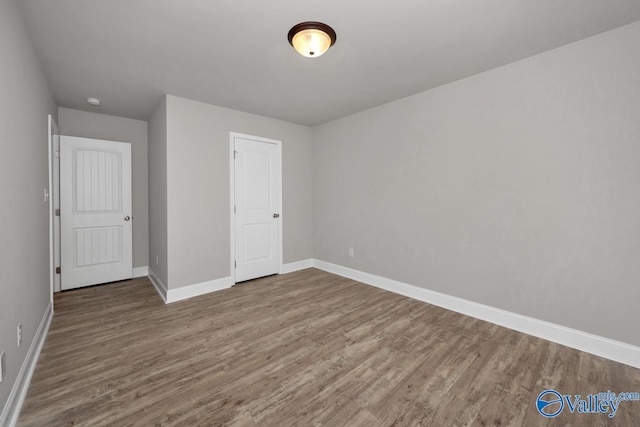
(306,348)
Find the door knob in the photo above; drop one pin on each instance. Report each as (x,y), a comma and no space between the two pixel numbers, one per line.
(276,215)
(127,218)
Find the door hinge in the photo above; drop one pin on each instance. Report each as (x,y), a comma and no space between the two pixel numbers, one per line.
(57,212)
(58,270)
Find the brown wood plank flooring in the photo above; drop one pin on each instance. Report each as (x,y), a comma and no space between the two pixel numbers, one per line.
(307,348)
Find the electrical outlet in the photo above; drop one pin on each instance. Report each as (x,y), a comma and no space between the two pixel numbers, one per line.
(352,253)
(157,259)
(19,334)
(3,370)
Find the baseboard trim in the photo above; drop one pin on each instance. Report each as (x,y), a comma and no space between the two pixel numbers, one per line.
(161,288)
(190,291)
(140,271)
(12,407)
(584,341)
(297,266)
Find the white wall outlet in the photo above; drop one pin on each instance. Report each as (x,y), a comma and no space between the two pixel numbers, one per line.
(352,253)
(19,334)
(3,370)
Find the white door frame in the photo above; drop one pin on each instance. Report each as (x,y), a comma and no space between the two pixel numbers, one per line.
(232,194)
(52,129)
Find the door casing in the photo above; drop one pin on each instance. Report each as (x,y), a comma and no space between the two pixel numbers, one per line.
(53,146)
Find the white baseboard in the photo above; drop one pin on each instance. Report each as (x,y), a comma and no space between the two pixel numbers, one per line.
(161,288)
(190,291)
(297,266)
(11,410)
(584,341)
(198,289)
(140,271)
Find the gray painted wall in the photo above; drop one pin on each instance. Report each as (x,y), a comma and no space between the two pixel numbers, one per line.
(25,102)
(198,187)
(100,126)
(158,261)
(518,188)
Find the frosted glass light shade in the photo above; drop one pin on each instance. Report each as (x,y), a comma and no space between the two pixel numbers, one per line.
(311,43)
(311,39)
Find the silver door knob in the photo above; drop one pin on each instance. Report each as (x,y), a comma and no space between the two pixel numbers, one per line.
(276,215)
(127,218)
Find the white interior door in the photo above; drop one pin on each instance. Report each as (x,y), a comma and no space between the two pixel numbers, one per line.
(95,211)
(257,188)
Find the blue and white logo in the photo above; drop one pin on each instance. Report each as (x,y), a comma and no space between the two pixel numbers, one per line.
(550,403)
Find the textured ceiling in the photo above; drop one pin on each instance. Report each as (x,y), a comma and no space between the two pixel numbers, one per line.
(235,53)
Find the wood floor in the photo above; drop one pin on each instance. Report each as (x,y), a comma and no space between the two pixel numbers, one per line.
(307,348)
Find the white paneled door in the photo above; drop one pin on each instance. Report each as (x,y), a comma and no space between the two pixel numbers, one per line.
(257,188)
(95,211)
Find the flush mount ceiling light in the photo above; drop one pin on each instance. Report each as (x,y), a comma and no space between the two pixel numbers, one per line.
(311,39)
(94,101)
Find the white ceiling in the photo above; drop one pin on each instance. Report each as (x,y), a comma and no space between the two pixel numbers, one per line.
(234,53)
